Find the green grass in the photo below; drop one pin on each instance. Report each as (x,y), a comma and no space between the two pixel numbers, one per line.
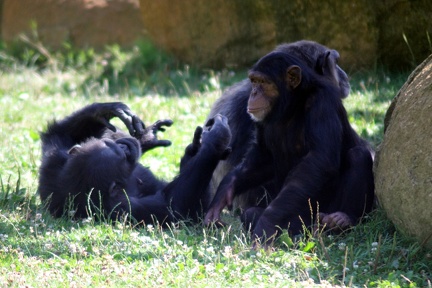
(38,251)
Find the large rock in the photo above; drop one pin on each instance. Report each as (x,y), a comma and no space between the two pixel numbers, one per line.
(82,23)
(221,33)
(403,164)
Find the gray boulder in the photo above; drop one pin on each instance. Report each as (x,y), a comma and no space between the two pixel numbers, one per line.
(403,165)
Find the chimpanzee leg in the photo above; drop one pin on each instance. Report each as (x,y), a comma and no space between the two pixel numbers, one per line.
(355,194)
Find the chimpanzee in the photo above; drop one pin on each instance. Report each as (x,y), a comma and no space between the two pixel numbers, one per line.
(89,167)
(233,105)
(304,146)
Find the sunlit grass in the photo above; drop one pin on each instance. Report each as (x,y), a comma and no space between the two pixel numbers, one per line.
(37,250)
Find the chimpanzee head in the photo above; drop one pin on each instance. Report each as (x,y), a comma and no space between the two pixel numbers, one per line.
(100,164)
(315,56)
(280,80)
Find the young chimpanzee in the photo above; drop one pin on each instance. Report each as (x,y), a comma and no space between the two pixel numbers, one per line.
(87,165)
(233,103)
(305,147)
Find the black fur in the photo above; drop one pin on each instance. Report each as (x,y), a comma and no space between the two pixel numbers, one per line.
(233,104)
(87,165)
(306,148)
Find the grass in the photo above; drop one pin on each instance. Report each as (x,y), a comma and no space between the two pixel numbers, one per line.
(38,251)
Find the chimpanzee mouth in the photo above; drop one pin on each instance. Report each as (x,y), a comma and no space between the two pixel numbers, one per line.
(256,110)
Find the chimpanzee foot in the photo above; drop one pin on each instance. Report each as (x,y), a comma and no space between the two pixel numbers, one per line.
(336,221)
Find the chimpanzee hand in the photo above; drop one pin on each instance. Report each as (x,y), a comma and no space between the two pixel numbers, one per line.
(192,149)
(148,136)
(216,133)
(104,112)
(223,198)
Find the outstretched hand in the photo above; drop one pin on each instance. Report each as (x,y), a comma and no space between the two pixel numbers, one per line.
(148,136)
(217,133)
(212,217)
(223,198)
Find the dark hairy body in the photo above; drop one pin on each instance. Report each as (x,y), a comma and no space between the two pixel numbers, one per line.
(233,103)
(316,167)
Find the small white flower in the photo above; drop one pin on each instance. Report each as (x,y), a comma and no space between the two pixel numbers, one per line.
(38,216)
(150,228)
(48,246)
(341,246)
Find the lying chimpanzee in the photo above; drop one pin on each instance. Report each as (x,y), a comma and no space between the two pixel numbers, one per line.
(87,166)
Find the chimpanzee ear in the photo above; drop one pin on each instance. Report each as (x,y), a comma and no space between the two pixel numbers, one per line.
(74,150)
(327,65)
(293,76)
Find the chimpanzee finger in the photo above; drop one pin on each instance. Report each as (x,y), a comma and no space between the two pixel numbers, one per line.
(139,126)
(211,216)
(108,125)
(160,123)
(341,219)
(125,115)
(219,223)
(163,143)
(197,136)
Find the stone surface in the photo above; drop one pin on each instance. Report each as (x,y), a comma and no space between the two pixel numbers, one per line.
(82,23)
(221,33)
(209,33)
(403,164)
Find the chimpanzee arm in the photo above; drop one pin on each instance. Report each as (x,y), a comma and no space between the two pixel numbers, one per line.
(192,149)
(90,121)
(186,191)
(150,209)
(306,179)
(255,170)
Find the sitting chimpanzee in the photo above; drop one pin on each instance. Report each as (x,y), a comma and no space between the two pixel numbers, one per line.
(304,147)
(88,166)
(233,104)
